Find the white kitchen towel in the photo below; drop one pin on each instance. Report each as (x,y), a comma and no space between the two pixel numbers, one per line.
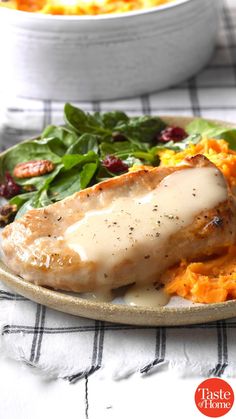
(71,347)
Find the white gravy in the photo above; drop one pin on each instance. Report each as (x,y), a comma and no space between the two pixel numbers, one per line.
(135,229)
(105,296)
(146,295)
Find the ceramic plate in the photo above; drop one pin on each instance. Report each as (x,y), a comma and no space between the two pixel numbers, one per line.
(178,311)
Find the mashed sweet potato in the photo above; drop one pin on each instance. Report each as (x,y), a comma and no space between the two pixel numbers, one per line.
(210,281)
(81,7)
(214,280)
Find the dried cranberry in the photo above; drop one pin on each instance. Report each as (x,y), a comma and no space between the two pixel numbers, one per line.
(172,134)
(118,136)
(114,164)
(9,188)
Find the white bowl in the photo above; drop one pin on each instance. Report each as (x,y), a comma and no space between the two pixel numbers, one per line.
(105,56)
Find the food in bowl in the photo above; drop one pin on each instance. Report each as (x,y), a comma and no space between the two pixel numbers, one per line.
(108,201)
(82,7)
(109,56)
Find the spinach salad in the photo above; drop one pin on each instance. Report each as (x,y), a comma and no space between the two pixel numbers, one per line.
(88,149)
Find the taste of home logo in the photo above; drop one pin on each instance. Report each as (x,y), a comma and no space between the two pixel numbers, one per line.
(214,397)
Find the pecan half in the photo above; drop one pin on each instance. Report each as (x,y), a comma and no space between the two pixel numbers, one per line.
(7,214)
(33,168)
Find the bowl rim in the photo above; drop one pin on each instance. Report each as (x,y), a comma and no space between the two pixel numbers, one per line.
(107,16)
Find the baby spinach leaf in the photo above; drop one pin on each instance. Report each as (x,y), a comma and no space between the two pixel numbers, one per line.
(112,119)
(87,173)
(19,200)
(71,160)
(103,174)
(81,123)
(77,174)
(43,199)
(36,199)
(84,144)
(77,119)
(178,146)
(118,149)
(147,157)
(77,149)
(206,128)
(212,130)
(66,136)
(66,186)
(55,144)
(137,130)
(143,128)
(23,152)
(230,137)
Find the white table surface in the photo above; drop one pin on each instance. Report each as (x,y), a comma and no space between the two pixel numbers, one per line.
(26,395)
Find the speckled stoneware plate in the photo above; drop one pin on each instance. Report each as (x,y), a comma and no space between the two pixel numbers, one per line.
(177,312)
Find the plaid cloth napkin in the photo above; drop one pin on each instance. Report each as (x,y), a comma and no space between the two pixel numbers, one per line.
(71,347)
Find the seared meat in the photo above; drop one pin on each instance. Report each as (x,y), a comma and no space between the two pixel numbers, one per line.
(127,229)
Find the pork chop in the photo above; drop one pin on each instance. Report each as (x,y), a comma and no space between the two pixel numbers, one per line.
(124,230)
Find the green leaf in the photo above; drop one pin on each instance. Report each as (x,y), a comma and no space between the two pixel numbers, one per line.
(137,130)
(104,174)
(76,119)
(124,150)
(23,152)
(66,187)
(40,182)
(150,158)
(66,136)
(87,174)
(84,144)
(82,123)
(77,148)
(19,200)
(178,146)
(230,137)
(143,128)
(211,130)
(36,199)
(43,199)
(205,128)
(55,144)
(72,160)
(77,174)
(112,119)
(120,149)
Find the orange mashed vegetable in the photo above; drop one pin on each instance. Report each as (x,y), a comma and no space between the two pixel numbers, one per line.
(82,7)
(212,280)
